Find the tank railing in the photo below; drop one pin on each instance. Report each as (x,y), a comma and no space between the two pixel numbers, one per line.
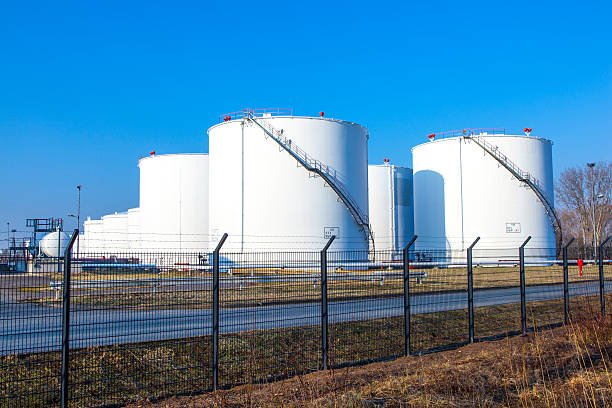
(524,175)
(469,132)
(527,178)
(256,112)
(319,168)
(312,164)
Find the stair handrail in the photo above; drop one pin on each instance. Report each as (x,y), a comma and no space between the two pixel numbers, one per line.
(525,177)
(316,166)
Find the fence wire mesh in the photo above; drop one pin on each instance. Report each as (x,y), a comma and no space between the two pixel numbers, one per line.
(438,298)
(270,316)
(142,323)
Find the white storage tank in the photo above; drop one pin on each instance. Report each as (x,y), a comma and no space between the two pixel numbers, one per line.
(54,244)
(265,199)
(134,229)
(390,206)
(116,232)
(92,239)
(462,190)
(174,203)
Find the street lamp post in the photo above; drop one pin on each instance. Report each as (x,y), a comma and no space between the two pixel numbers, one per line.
(8,244)
(79,186)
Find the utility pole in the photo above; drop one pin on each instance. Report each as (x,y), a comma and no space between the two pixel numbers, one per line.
(78,219)
(591,166)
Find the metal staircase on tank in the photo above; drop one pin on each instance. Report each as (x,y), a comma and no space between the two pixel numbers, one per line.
(318,168)
(523,176)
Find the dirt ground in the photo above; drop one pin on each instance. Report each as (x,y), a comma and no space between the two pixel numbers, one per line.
(565,367)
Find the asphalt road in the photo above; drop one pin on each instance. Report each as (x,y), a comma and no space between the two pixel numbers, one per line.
(28,327)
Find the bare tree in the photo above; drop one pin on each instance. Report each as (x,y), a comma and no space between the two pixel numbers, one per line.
(584,196)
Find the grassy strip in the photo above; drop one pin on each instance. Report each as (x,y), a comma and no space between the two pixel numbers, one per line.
(249,293)
(123,373)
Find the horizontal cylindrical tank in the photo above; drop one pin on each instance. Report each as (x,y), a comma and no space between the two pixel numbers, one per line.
(461,192)
(265,200)
(116,232)
(174,202)
(134,229)
(390,206)
(54,244)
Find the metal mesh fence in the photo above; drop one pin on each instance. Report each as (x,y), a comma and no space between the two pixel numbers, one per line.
(438,298)
(142,324)
(365,306)
(497,308)
(30,337)
(544,288)
(269,316)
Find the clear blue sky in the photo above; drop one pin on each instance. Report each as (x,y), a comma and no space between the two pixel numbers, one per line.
(86,88)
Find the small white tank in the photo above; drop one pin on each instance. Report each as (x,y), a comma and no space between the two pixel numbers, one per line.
(54,244)
(390,203)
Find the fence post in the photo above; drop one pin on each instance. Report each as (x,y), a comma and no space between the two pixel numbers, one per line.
(406,260)
(566,283)
(470,273)
(602,282)
(215,313)
(324,323)
(66,320)
(522,279)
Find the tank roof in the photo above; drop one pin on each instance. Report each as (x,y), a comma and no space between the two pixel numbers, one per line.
(487,135)
(170,155)
(295,117)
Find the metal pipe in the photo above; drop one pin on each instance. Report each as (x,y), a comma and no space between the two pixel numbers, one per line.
(470,273)
(406,259)
(602,288)
(66,321)
(522,279)
(566,283)
(324,318)
(215,313)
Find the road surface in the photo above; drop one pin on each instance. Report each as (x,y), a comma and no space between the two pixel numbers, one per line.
(28,327)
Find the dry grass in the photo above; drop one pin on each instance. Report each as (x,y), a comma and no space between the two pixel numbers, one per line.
(565,367)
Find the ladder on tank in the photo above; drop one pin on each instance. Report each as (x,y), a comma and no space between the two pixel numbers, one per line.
(525,177)
(318,168)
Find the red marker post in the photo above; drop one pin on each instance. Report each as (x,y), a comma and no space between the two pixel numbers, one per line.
(580,264)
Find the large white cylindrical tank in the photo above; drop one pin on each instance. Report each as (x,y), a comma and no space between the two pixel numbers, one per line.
(390,206)
(462,192)
(92,239)
(264,200)
(174,202)
(134,229)
(116,232)
(54,244)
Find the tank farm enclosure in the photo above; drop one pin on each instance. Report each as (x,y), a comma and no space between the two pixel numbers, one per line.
(160,305)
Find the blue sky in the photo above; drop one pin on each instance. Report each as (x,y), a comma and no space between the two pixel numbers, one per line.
(86,88)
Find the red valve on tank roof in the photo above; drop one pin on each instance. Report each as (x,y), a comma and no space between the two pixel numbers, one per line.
(227,118)
(152,153)
(321,114)
(386,160)
(431,136)
(527,131)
